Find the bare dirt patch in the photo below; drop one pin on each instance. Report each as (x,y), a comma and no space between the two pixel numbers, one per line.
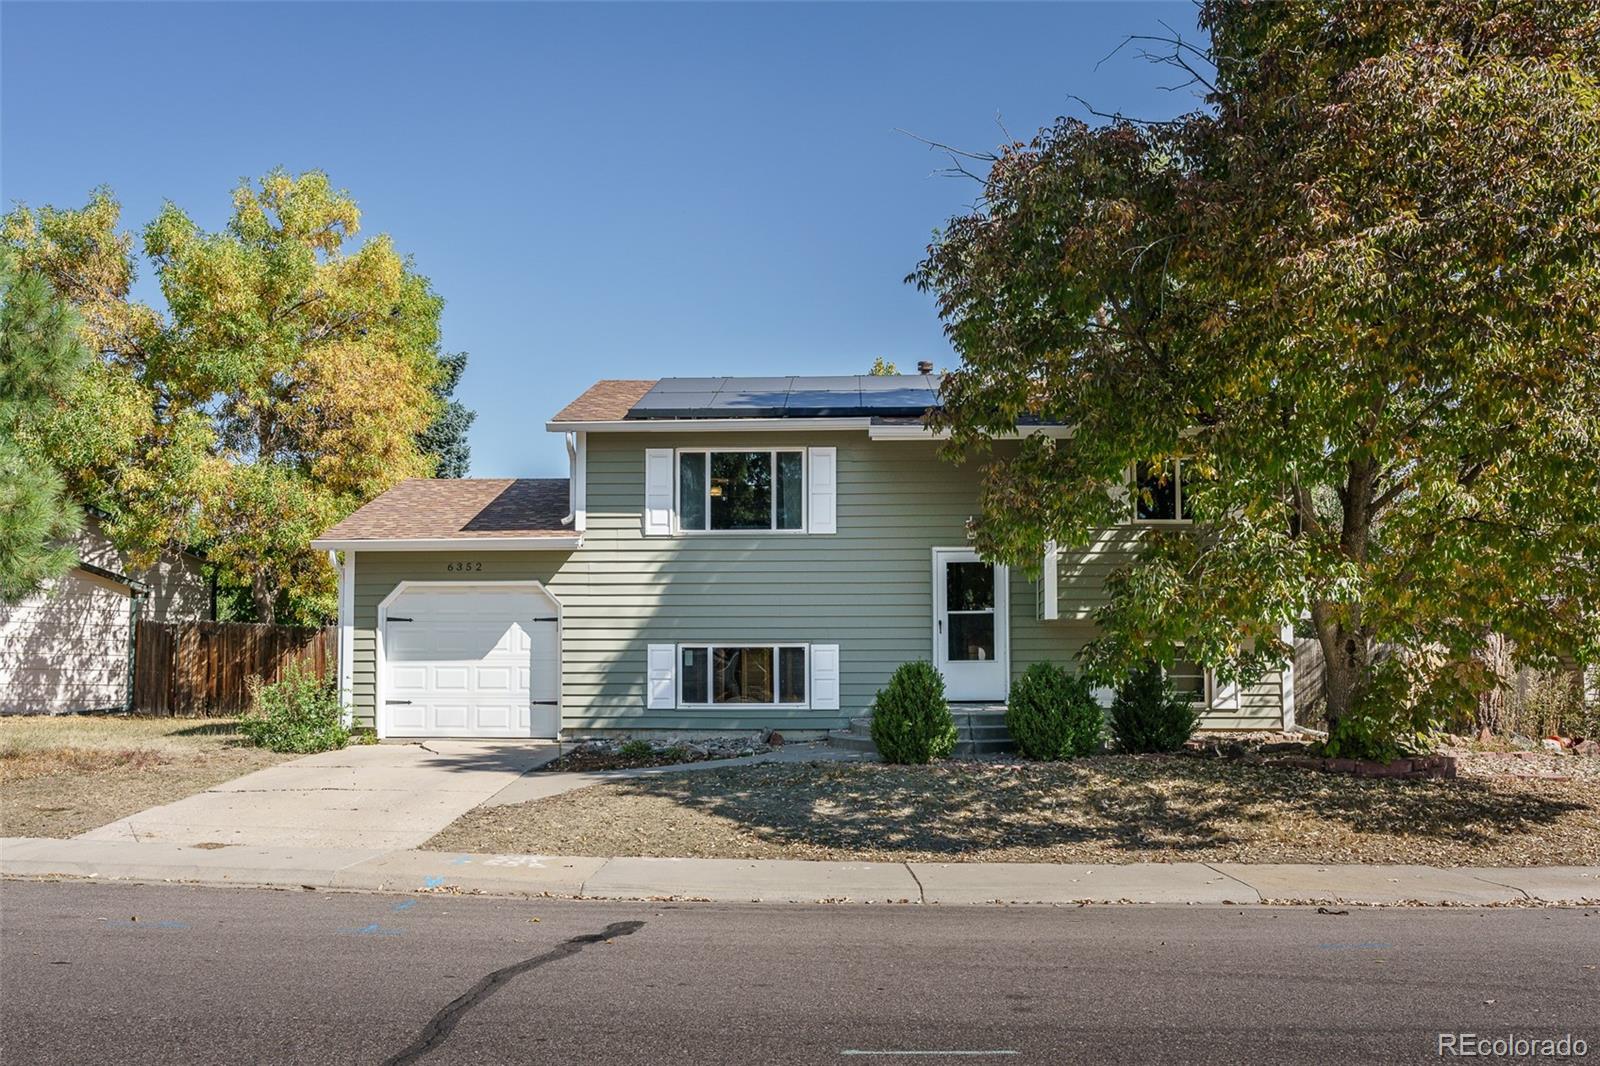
(1113,808)
(61,776)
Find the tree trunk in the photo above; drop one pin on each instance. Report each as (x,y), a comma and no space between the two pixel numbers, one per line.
(263,598)
(1496,657)
(1347,656)
(1346,640)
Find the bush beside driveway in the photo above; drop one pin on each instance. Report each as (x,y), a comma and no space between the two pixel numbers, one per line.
(1108,809)
(61,776)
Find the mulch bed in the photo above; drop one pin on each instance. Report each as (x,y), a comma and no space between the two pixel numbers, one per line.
(1113,808)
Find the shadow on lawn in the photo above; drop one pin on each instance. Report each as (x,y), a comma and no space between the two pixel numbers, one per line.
(1137,804)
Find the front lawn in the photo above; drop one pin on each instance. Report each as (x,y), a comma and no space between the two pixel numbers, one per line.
(1111,808)
(61,776)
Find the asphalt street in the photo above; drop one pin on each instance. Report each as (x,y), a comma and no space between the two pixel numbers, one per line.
(102,973)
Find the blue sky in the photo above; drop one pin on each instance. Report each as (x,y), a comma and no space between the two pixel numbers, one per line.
(598,190)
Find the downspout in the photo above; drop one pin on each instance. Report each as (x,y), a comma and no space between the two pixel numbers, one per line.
(577,515)
(572,480)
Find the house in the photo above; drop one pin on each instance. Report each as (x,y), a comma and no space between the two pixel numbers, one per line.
(727,554)
(69,648)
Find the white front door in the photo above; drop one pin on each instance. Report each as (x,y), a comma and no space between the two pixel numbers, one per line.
(970,638)
(465,660)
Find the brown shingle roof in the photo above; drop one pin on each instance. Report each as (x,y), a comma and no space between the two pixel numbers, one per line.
(605,401)
(460,508)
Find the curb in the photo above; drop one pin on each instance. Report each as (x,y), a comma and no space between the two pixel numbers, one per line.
(793,881)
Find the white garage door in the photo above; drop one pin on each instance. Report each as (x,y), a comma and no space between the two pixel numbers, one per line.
(471,661)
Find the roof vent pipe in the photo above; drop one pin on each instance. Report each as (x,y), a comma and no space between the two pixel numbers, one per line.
(924,367)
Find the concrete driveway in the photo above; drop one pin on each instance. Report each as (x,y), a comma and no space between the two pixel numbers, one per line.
(377,796)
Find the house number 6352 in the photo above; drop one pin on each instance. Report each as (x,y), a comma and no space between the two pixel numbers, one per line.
(462,566)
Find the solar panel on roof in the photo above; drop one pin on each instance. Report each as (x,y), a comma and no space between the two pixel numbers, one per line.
(750,403)
(688,385)
(822,396)
(898,400)
(845,382)
(823,403)
(778,384)
(894,382)
(671,404)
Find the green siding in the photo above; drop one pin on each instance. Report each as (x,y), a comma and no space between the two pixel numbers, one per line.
(867,588)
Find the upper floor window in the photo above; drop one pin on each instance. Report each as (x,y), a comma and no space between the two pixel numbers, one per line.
(1158,492)
(724,491)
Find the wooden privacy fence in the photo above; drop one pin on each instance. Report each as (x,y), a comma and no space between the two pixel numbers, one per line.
(1309,666)
(201,668)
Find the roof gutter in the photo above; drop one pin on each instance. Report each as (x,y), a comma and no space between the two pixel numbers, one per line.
(874,430)
(433,544)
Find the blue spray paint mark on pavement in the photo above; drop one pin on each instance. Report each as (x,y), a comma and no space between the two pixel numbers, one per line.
(432,882)
(1368,946)
(164,923)
(372,930)
(460,860)
(404,905)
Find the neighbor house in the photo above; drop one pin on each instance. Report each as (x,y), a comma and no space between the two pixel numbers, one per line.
(727,554)
(69,648)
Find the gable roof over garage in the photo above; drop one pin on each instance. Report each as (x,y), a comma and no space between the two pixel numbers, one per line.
(424,513)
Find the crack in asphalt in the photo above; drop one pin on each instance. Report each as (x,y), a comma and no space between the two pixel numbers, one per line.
(441,1025)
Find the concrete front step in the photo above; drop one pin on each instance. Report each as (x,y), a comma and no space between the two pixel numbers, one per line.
(846,740)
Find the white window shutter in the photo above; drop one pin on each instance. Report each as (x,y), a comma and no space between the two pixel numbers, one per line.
(661,677)
(1224,695)
(1122,495)
(657,492)
(823,505)
(825,676)
(1050,583)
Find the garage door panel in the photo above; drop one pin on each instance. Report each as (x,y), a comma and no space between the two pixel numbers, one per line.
(495,717)
(408,680)
(469,658)
(427,639)
(403,719)
(451,715)
(497,679)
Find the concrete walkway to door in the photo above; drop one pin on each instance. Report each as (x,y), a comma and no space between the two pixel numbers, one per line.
(380,796)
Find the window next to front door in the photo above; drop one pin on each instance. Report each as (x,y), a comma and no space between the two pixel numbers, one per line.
(730,491)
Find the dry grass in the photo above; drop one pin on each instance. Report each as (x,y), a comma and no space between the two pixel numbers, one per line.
(1106,809)
(61,776)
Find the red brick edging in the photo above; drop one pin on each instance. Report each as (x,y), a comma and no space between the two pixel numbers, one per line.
(1416,767)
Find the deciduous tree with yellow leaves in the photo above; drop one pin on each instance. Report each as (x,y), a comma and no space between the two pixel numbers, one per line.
(291,377)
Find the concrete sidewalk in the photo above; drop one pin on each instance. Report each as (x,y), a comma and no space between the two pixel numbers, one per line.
(786,881)
(379,797)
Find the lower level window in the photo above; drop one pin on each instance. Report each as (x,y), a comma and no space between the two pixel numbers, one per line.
(1189,680)
(742,673)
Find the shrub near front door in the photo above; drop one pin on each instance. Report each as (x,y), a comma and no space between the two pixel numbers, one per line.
(911,721)
(1053,714)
